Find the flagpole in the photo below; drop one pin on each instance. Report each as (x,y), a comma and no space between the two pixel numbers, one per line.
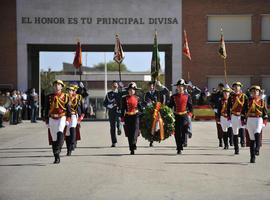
(156,57)
(119,65)
(106,74)
(225,71)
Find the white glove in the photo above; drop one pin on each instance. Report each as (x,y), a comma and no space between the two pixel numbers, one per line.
(81,85)
(110,106)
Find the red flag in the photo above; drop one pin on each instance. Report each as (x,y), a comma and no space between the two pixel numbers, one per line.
(186,51)
(118,51)
(77,62)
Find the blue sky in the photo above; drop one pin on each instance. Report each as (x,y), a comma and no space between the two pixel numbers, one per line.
(135,61)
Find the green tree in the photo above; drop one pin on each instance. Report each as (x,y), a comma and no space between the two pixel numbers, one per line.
(111,66)
(47,78)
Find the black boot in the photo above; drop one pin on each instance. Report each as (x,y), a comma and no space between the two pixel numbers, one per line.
(242,137)
(252,151)
(230,135)
(72,138)
(257,144)
(56,152)
(151,144)
(235,143)
(56,158)
(60,140)
(220,142)
(225,140)
(68,142)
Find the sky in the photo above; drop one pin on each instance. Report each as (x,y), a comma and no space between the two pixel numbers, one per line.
(135,61)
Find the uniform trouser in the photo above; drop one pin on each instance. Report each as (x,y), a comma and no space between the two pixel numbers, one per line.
(71,133)
(13,116)
(181,124)
(254,126)
(132,130)
(219,129)
(114,121)
(56,129)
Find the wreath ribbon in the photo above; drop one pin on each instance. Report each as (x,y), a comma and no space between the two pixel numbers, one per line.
(157,120)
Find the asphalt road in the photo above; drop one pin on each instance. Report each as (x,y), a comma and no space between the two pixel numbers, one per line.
(96,171)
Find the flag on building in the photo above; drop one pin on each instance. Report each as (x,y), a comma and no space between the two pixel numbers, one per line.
(118,51)
(77,62)
(222,48)
(155,62)
(186,50)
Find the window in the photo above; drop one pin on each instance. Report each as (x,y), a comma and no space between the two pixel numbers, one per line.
(235,27)
(265,27)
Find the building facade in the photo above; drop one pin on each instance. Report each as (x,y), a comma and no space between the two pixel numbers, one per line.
(31,26)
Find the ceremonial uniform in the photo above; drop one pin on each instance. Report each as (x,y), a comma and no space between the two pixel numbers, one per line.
(75,116)
(236,103)
(255,113)
(182,105)
(223,118)
(56,109)
(112,103)
(130,115)
(214,101)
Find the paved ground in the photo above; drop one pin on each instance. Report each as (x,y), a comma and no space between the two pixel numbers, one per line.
(96,171)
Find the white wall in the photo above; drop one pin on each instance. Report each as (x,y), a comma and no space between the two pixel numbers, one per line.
(34,33)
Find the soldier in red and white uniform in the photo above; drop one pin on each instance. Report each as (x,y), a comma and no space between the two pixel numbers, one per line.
(75,116)
(182,104)
(131,105)
(56,108)
(255,113)
(236,102)
(222,115)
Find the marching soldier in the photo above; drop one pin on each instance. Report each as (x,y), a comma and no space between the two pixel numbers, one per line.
(112,103)
(153,95)
(131,106)
(255,117)
(56,108)
(182,104)
(214,101)
(75,116)
(222,115)
(236,102)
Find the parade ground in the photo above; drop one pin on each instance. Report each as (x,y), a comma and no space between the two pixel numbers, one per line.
(97,171)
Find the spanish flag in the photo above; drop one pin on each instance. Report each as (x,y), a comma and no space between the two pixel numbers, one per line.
(77,62)
(222,48)
(186,50)
(118,51)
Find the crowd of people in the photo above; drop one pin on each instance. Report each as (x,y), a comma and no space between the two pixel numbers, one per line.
(17,106)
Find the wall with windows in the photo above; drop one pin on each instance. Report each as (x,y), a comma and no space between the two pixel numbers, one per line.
(246,30)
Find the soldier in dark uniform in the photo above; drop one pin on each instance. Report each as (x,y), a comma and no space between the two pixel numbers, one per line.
(131,106)
(255,116)
(112,104)
(214,102)
(236,102)
(223,117)
(182,104)
(75,116)
(153,95)
(56,108)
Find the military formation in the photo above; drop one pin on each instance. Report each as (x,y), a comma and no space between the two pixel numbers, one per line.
(236,113)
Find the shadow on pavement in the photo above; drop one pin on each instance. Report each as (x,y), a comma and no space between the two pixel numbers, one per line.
(206,163)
